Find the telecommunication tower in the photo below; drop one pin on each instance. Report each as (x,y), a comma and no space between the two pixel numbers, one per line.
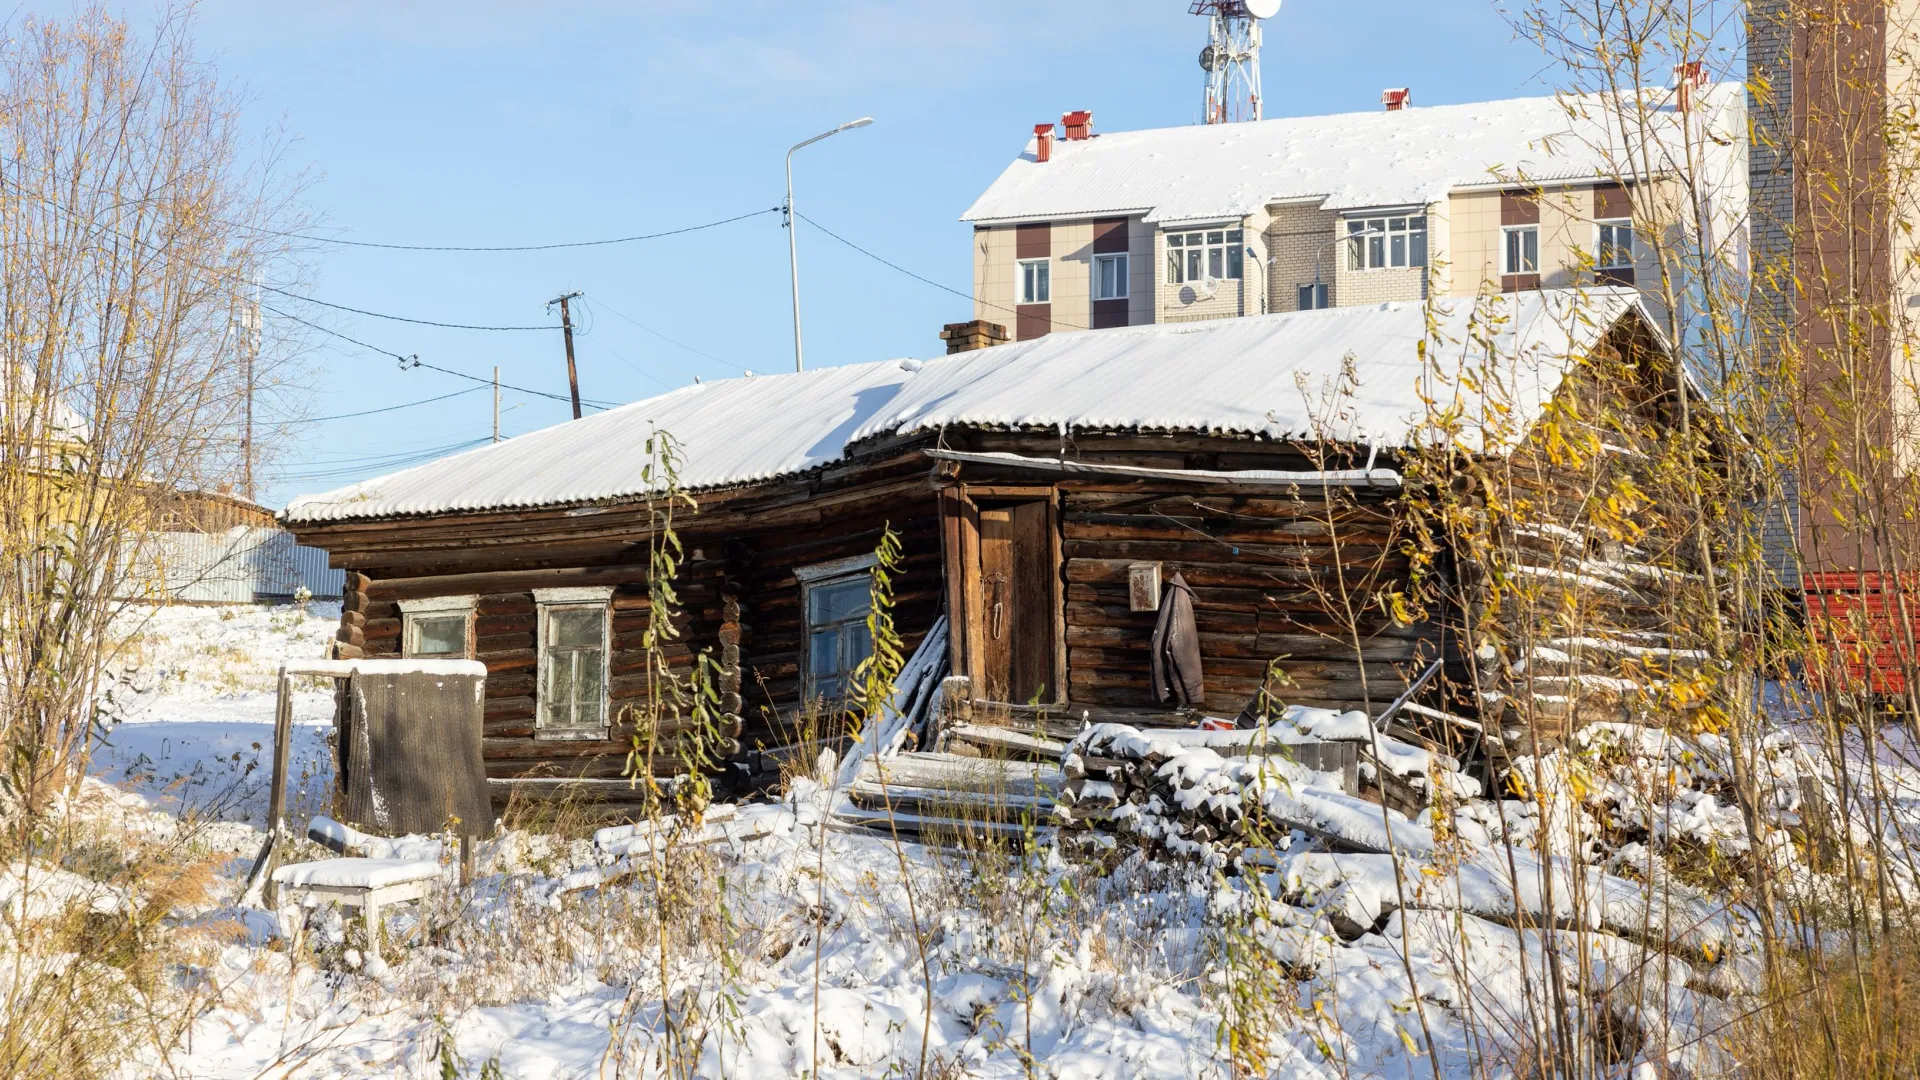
(1232,56)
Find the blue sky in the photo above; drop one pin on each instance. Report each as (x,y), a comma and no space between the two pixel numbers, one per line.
(482,122)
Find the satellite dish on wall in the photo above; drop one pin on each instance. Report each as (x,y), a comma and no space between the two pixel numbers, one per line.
(1263,9)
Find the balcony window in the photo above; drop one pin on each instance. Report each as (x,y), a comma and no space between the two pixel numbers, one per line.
(1382,243)
(1210,253)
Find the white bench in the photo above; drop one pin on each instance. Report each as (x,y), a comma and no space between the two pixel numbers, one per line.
(368,884)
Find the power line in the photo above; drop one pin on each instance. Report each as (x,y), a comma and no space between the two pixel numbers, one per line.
(415,361)
(665,338)
(515,247)
(920,278)
(390,408)
(396,318)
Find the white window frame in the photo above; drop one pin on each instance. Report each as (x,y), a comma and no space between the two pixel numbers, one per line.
(1371,240)
(1020,281)
(811,578)
(411,611)
(1197,248)
(547,602)
(1506,250)
(1601,247)
(1120,276)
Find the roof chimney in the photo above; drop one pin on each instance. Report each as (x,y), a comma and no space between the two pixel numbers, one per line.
(1042,142)
(1688,78)
(968,336)
(1397,98)
(1078,124)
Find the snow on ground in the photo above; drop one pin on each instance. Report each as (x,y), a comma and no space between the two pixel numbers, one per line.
(816,952)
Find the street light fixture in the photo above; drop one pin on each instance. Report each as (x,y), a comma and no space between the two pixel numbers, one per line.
(793,254)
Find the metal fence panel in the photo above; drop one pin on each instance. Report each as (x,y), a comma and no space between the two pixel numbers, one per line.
(240,566)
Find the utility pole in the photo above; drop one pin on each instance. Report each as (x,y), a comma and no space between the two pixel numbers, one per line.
(250,350)
(566,330)
(496,403)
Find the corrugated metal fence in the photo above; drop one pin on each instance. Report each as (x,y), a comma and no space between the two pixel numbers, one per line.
(240,566)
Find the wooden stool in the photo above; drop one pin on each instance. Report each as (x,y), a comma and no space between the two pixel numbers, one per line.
(368,884)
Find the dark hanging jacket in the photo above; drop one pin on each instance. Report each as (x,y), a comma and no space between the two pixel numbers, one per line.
(1176,648)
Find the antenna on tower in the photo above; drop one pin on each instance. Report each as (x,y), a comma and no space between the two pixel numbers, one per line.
(1232,56)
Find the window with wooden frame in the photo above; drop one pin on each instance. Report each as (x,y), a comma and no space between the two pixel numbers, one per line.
(437,627)
(836,598)
(573,634)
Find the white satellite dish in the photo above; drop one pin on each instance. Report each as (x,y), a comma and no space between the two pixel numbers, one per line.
(1263,9)
(1208,287)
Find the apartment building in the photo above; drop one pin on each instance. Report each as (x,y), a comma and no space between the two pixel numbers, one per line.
(1088,231)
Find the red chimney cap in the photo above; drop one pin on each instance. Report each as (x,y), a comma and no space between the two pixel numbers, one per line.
(1396,98)
(1043,129)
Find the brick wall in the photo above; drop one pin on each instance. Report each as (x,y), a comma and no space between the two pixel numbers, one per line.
(1296,236)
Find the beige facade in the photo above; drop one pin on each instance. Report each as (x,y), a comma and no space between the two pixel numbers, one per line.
(1289,245)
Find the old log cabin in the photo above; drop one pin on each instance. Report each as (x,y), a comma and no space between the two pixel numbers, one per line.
(1046,493)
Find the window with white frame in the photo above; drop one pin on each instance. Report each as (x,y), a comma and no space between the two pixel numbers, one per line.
(1033,279)
(1110,277)
(573,632)
(836,597)
(438,627)
(1614,249)
(1208,253)
(1383,243)
(1520,249)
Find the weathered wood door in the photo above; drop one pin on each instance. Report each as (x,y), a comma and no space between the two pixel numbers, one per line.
(1014,615)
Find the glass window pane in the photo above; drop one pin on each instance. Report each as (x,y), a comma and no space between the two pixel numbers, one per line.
(1532,250)
(587,689)
(830,689)
(1356,227)
(1193,264)
(439,635)
(1216,237)
(823,653)
(1354,254)
(1174,276)
(855,646)
(1046,284)
(1417,249)
(1417,224)
(558,692)
(1235,236)
(1216,262)
(1398,224)
(1235,261)
(576,626)
(1194,239)
(834,601)
(1175,240)
(1376,252)
(1398,255)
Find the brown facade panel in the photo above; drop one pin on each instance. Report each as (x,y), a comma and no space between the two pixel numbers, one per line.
(1034,241)
(1032,321)
(1519,208)
(1519,282)
(1610,201)
(1109,313)
(1109,236)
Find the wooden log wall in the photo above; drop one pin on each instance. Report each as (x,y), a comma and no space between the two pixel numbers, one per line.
(1261,565)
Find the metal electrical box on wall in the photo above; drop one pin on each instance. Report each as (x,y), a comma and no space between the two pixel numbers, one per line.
(1143,586)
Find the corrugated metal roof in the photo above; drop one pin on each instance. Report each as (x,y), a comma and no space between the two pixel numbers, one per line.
(1410,157)
(1267,375)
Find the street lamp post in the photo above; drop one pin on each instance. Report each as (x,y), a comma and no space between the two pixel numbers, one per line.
(793,252)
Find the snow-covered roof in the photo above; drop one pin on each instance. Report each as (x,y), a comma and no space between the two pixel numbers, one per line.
(1263,375)
(1409,157)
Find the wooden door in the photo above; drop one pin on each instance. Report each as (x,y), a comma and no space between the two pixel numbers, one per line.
(1017,590)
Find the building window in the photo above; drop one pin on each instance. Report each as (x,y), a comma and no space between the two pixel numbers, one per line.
(1383,243)
(573,632)
(837,598)
(1110,277)
(1212,253)
(439,627)
(1035,278)
(1615,248)
(1311,297)
(1520,249)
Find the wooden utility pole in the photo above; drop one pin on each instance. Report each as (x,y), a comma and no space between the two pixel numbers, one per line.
(250,350)
(496,402)
(566,330)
